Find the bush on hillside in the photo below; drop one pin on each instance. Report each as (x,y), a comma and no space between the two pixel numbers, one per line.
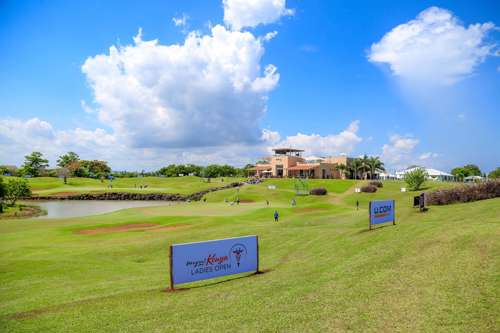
(318,191)
(16,189)
(369,189)
(376,183)
(415,179)
(464,193)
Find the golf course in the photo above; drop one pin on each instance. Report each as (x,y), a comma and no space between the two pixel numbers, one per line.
(321,268)
(182,185)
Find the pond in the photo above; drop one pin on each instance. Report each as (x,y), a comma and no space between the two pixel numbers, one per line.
(74,208)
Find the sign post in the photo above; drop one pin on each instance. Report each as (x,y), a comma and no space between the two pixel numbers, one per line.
(381,211)
(191,262)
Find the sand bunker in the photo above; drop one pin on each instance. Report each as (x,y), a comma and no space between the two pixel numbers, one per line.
(168,228)
(119,228)
(136,226)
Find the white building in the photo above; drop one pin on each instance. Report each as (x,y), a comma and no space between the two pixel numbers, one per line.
(433,173)
(386,176)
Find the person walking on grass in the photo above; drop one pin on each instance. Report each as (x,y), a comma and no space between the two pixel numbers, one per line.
(276,216)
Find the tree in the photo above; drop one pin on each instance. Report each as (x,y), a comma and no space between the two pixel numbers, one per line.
(365,166)
(459,172)
(169,170)
(95,168)
(495,173)
(76,169)
(9,170)
(63,173)
(466,171)
(15,189)
(66,159)
(415,178)
(2,193)
(472,170)
(355,166)
(375,164)
(342,168)
(34,164)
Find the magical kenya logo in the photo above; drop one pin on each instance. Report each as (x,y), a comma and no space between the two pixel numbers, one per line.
(238,252)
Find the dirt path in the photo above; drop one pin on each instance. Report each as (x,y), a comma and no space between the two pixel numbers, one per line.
(338,199)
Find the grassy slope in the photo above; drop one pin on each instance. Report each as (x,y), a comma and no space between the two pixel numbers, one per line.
(182,185)
(432,272)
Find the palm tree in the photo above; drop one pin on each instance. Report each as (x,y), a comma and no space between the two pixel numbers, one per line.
(342,168)
(365,166)
(355,166)
(375,164)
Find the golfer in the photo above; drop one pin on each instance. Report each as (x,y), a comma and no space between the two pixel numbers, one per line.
(276,216)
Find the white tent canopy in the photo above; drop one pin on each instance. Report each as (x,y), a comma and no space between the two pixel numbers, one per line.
(433,173)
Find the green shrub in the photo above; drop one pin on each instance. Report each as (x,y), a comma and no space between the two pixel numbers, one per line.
(318,191)
(495,173)
(16,189)
(369,189)
(376,183)
(464,193)
(415,179)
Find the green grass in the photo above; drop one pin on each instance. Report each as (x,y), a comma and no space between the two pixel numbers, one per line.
(181,185)
(433,272)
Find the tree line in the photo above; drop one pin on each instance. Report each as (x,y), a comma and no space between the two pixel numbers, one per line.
(366,167)
(70,165)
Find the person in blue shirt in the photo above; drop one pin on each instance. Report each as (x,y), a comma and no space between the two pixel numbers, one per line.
(276,216)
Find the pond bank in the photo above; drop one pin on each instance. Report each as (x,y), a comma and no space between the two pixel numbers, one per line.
(74,208)
(134,196)
(22,211)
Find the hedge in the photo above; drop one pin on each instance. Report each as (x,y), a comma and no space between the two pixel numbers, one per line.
(464,193)
(318,191)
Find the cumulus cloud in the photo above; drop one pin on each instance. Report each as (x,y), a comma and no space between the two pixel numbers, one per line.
(434,48)
(270,35)
(270,137)
(208,91)
(399,150)
(428,156)
(239,14)
(18,137)
(334,144)
(180,21)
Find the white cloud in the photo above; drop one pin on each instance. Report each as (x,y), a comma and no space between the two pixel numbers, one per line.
(399,150)
(239,14)
(270,137)
(209,91)
(334,144)
(427,156)
(434,48)
(270,35)
(18,138)
(180,21)
(200,101)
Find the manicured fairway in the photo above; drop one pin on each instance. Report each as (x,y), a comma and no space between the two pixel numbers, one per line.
(181,185)
(432,272)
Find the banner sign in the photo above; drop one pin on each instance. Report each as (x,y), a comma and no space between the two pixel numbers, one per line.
(382,211)
(191,262)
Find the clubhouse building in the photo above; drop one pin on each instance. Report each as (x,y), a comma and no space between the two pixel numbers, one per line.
(289,163)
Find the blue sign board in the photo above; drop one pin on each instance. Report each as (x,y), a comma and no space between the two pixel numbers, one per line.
(382,211)
(191,262)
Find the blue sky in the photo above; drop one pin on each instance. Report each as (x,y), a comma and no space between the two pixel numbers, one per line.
(331,92)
